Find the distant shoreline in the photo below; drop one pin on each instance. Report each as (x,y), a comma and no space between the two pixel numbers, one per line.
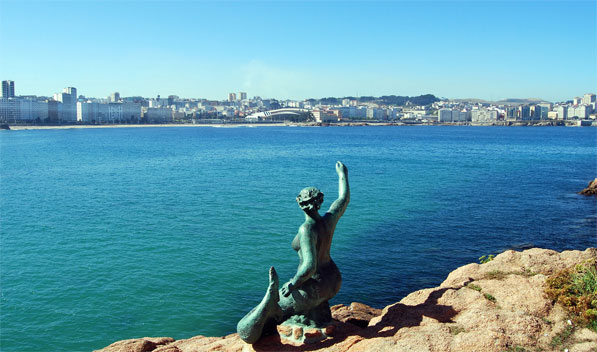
(299,124)
(64,127)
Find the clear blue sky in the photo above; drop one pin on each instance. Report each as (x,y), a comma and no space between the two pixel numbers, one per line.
(281,49)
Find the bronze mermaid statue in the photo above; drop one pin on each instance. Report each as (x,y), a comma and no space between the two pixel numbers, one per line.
(317,278)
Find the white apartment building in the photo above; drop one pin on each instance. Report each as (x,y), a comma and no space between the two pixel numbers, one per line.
(589,98)
(9,109)
(69,112)
(463,115)
(579,112)
(112,112)
(376,114)
(484,115)
(353,112)
(124,112)
(393,113)
(450,115)
(68,98)
(88,112)
(444,115)
(19,109)
(131,111)
(322,116)
(294,104)
(32,109)
(157,114)
(415,113)
(562,112)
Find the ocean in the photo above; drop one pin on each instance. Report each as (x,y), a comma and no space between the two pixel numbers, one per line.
(110,234)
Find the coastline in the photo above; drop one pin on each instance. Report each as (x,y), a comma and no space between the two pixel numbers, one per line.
(309,124)
(218,125)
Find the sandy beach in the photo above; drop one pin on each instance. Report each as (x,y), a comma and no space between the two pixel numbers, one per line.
(568,123)
(219,125)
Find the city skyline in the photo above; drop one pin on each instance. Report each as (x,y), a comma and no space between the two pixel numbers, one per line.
(291,50)
(9,91)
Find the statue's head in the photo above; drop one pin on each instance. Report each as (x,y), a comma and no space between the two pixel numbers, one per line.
(310,198)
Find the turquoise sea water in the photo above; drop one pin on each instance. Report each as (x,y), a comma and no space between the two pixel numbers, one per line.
(109,234)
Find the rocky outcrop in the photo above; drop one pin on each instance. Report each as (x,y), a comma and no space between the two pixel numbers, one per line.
(145,344)
(496,306)
(356,313)
(591,189)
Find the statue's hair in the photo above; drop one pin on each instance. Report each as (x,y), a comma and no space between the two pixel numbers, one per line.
(310,196)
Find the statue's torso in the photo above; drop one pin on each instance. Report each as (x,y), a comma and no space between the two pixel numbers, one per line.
(323,236)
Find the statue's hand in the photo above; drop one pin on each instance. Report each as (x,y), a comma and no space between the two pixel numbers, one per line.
(287,289)
(341,168)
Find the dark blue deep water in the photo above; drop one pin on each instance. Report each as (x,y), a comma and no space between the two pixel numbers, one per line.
(109,234)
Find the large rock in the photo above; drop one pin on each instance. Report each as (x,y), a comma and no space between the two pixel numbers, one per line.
(591,189)
(139,345)
(497,306)
(356,313)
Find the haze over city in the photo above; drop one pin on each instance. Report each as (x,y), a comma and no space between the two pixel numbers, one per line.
(294,50)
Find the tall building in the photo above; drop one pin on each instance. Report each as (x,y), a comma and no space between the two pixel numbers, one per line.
(231,96)
(536,112)
(589,98)
(524,112)
(8,89)
(72,91)
(114,97)
(242,96)
(66,111)
(511,113)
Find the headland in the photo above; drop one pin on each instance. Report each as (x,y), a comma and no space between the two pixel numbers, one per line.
(500,305)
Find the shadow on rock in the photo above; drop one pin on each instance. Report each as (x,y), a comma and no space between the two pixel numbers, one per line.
(400,315)
(396,316)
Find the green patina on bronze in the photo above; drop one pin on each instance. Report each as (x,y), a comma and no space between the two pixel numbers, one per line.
(304,297)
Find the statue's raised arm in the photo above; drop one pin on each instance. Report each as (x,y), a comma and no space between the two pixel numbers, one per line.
(339,206)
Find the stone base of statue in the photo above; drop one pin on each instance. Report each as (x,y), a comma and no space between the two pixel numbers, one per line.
(296,333)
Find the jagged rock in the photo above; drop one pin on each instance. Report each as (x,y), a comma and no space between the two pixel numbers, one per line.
(497,306)
(357,313)
(591,189)
(145,344)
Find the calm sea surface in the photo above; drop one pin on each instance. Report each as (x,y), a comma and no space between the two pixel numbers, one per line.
(109,234)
